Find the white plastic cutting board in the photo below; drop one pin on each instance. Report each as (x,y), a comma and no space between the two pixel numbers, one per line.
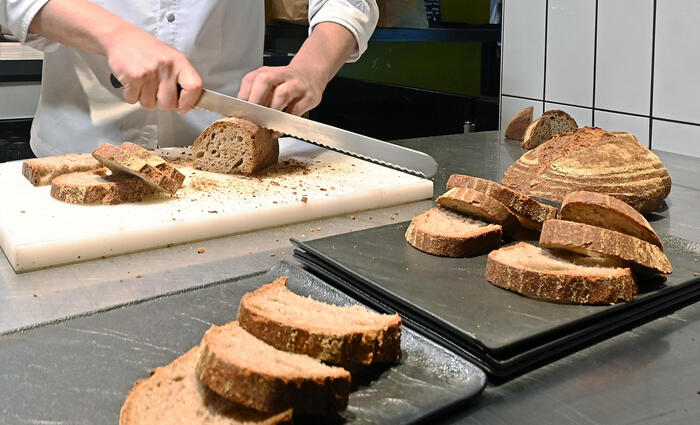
(38,231)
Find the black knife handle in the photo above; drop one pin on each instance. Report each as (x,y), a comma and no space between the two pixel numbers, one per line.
(117,84)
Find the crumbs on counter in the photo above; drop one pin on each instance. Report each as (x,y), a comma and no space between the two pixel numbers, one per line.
(352,217)
(138,276)
(392,217)
(304,199)
(213,212)
(696,274)
(35,295)
(201,250)
(273,255)
(23,212)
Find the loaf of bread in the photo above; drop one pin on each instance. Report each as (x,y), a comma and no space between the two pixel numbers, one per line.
(41,171)
(480,205)
(232,145)
(583,238)
(174,395)
(611,213)
(530,212)
(593,160)
(550,123)
(245,369)
(340,335)
(535,272)
(520,122)
(98,186)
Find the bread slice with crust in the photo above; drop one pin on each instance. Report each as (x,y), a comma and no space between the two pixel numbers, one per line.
(98,186)
(440,231)
(242,368)
(602,210)
(233,145)
(552,122)
(561,121)
(535,272)
(583,238)
(519,124)
(41,171)
(530,212)
(174,395)
(344,335)
(480,205)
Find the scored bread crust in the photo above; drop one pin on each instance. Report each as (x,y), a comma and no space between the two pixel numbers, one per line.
(245,369)
(173,394)
(445,233)
(233,145)
(605,211)
(584,238)
(519,124)
(41,171)
(96,186)
(333,334)
(137,161)
(533,213)
(534,272)
(480,205)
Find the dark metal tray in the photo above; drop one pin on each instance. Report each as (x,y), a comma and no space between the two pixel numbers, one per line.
(451,295)
(79,370)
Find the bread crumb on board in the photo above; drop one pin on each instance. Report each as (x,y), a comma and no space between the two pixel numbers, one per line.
(201,250)
(138,276)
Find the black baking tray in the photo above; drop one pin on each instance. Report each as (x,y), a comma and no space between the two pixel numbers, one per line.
(452,296)
(79,370)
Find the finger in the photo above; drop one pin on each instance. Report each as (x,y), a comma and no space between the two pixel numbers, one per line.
(191,84)
(246,85)
(261,92)
(166,97)
(302,105)
(132,89)
(284,94)
(148,91)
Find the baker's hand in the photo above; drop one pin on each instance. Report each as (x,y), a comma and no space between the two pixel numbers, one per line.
(293,88)
(150,71)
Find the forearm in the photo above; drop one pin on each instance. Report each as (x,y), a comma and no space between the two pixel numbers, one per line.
(325,50)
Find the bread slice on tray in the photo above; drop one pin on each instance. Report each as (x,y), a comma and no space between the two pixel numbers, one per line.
(137,161)
(583,238)
(530,212)
(520,122)
(91,187)
(440,231)
(535,272)
(41,171)
(480,205)
(174,395)
(552,122)
(602,210)
(245,369)
(345,335)
(232,145)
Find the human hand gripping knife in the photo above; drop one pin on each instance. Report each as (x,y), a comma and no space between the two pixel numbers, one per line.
(337,139)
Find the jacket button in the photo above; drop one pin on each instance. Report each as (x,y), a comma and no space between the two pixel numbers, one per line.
(170,17)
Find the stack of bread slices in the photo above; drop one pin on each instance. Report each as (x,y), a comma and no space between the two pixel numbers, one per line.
(269,364)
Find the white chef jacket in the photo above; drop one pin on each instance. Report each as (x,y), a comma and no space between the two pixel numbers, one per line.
(223,39)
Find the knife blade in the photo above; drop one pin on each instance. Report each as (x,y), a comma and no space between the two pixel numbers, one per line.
(343,141)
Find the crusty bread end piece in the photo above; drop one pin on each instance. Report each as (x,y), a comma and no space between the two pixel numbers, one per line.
(97,186)
(519,124)
(41,171)
(335,334)
(549,124)
(480,205)
(174,395)
(232,145)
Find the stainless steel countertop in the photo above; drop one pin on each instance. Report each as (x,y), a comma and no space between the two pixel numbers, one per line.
(649,375)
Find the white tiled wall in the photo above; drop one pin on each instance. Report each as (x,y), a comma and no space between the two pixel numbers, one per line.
(626,65)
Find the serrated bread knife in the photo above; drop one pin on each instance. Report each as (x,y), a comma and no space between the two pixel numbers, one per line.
(337,139)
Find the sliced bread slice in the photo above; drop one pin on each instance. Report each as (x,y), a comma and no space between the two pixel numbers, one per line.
(530,212)
(174,395)
(98,186)
(440,231)
(245,369)
(582,238)
(137,161)
(41,171)
(480,205)
(519,124)
(534,272)
(232,145)
(602,210)
(561,121)
(552,122)
(335,334)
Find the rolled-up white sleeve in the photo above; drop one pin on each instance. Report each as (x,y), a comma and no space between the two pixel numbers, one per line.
(17,15)
(358,16)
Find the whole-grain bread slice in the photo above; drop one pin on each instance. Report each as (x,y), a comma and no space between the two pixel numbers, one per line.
(41,171)
(519,124)
(583,238)
(602,210)
(535,272)
(482,206)
(137,161)
(174,395)
(245,369)
(530,212)
(98,186)
(551,123)
(440,231)
(561,121)
(233,145)
(344,335)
